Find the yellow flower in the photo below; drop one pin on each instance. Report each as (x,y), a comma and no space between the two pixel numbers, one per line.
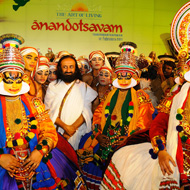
(31,135)
(9,144)
(106,111)
(20,141)
(129,119)
(179,110)
(131,111)
(34,122)
(181,134)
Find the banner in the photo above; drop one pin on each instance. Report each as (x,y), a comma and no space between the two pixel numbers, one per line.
(85,26)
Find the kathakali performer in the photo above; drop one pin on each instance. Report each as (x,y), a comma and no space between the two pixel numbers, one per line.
(124,112)
(29,153)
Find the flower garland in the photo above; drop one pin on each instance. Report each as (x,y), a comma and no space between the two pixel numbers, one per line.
(45,180)
(120,129)
(18,140)
(127,111)
(180,128)
(122,124)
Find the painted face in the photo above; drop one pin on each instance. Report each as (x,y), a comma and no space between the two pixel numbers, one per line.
(104,77)
(181,70)
(84,67)
(52,75)
(97,62)
(124,79)
(68,66)
(12,82)
(41,76)
(30,60)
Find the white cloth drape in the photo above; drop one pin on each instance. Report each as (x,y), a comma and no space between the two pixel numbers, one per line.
(77,102)
(136,167)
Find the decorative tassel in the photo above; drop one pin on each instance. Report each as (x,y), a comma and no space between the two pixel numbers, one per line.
(17,121)
(179,128)
(179,116)
(153,155)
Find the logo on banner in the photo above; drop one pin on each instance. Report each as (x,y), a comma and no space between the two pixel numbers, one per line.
(20,3)
(80,18)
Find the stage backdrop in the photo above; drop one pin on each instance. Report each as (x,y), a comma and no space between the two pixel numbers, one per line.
(83,26)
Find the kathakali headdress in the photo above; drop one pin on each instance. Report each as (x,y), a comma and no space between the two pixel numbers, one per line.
(128,46)
(127,62)
(12,60)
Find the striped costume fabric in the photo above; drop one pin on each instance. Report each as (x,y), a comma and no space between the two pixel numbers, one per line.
(111,180)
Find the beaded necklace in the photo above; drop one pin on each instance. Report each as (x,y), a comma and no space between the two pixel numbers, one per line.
(126,113)
(120,129)
(183,128)
(26,133)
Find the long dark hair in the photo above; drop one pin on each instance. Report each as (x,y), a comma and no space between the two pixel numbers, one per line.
(59,71)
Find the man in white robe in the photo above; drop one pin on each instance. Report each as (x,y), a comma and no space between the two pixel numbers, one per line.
(74,116)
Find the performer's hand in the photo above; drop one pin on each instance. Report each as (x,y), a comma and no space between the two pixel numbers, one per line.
(102,139)
(33,161)
(164,158)
(121,140)
(9,162)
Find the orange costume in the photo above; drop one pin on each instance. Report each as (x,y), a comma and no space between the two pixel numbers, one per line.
(124,112)
(142,115)
(30,153)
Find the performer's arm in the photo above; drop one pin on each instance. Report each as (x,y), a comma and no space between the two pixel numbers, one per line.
(157,134)
(146,110)
(47,135)
(98,114)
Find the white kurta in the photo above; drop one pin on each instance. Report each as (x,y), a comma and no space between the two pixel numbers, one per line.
(134,163)
(79,101)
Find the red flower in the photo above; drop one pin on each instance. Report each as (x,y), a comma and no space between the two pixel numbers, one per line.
(113,117)
(111,132)
(108,104)
(17,136)
(131,103)
(188,141)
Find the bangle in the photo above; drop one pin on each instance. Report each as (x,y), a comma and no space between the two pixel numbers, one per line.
(91,146)
(45,149)
(156,148)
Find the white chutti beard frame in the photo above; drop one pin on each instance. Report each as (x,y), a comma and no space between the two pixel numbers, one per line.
(25,88)
(132,84)
(187,76)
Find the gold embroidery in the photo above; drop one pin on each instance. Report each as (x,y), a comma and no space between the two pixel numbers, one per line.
(13,113)
(142,97)
(38,104)
(165,105)
(42,114)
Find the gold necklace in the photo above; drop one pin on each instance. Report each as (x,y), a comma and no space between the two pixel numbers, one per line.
(17,124)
